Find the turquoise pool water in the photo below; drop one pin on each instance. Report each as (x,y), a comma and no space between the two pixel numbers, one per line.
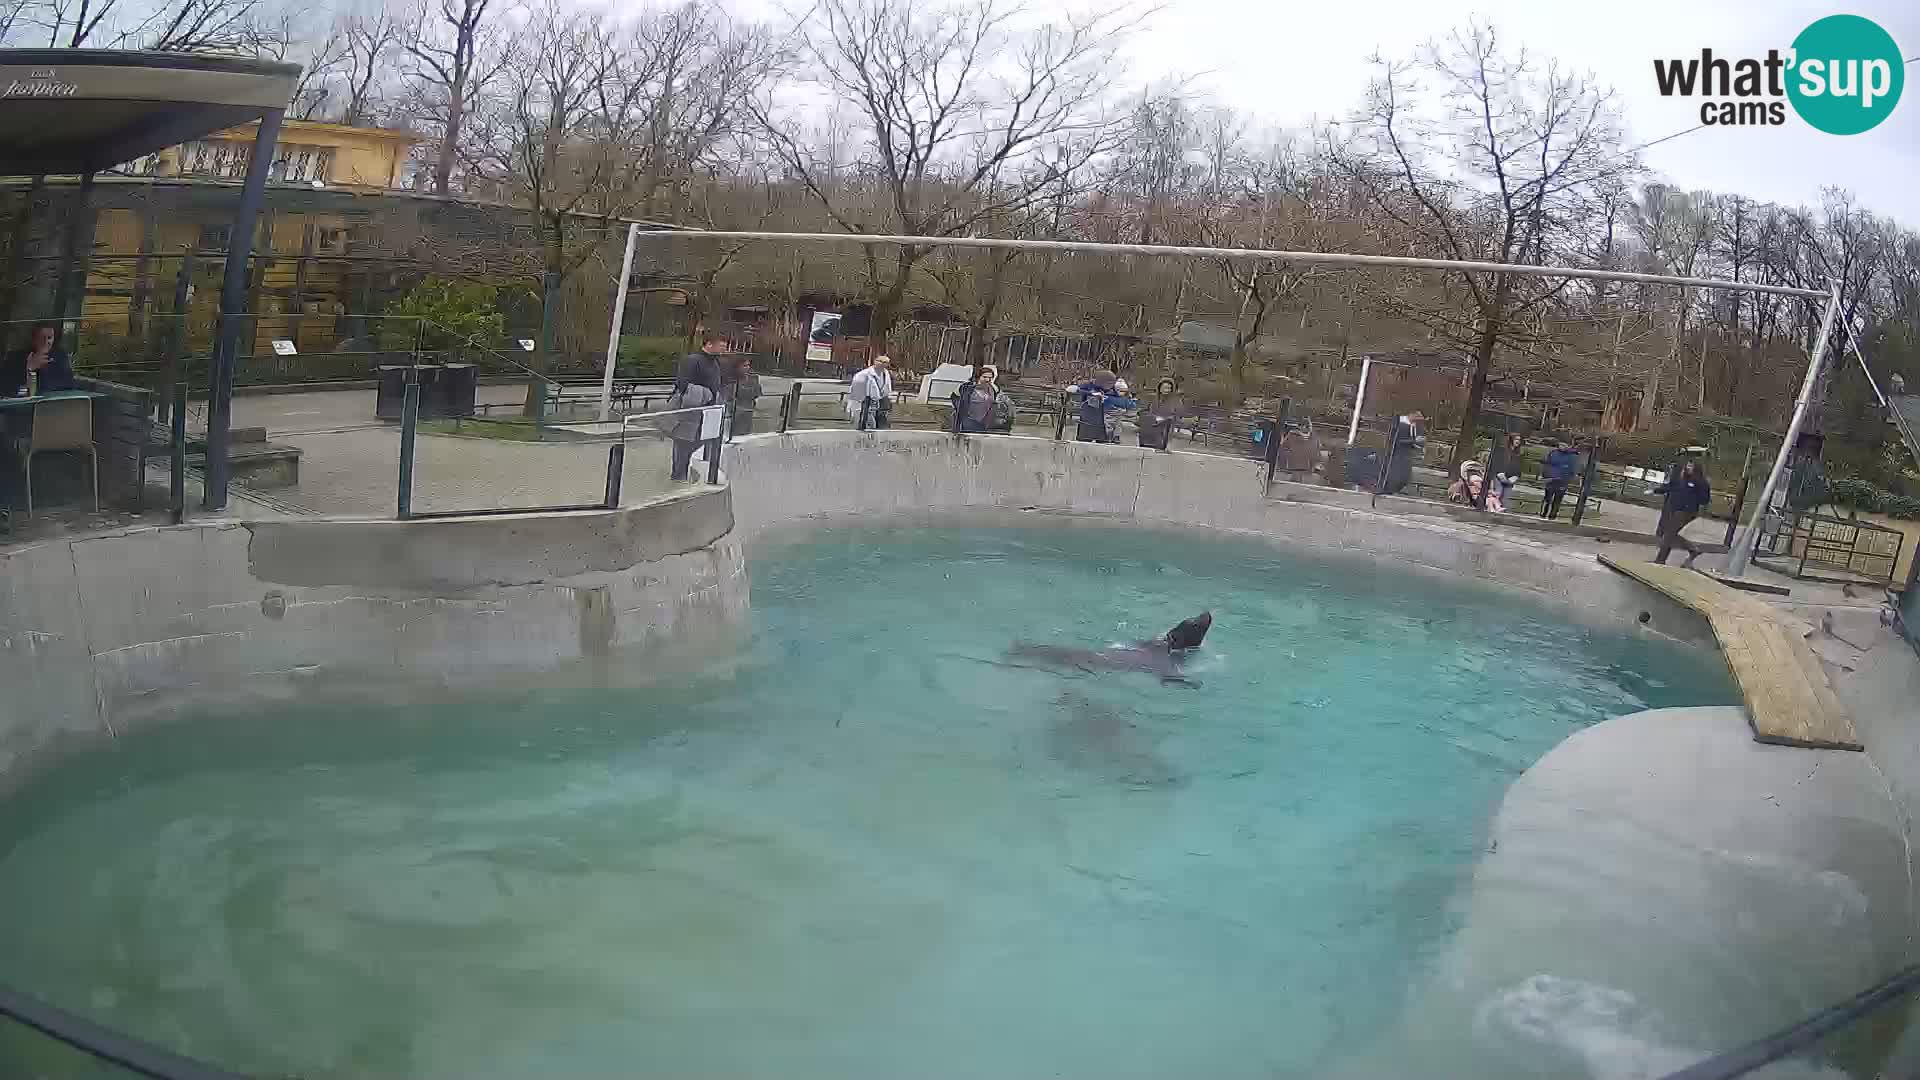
(863,846)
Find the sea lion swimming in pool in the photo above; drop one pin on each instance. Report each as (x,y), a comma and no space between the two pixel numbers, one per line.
(1162,656)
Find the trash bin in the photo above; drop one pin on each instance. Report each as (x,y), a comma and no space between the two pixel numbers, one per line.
(428,376)
(454,391)
(1265,431)
(392,391)
(1363,467)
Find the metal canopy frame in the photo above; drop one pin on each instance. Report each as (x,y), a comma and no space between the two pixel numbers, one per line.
(1742,551)
(79,111)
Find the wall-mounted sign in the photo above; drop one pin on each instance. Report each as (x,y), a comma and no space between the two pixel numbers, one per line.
(284,347)
(40,83)
(825,327)
(526,344)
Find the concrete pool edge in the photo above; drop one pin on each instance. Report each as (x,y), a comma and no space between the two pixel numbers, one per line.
(784,484)
(105,631)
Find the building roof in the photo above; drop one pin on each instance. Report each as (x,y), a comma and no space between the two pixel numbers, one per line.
(291,128)
(65,111)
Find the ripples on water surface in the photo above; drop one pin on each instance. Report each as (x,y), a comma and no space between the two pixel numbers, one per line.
(867,849)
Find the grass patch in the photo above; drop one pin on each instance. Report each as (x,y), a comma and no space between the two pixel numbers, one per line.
(507,430)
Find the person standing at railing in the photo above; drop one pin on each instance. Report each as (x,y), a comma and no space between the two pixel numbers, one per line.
(1562,462)
(870,397)
(746,393)
(980,405)
(696,384)
(1156,428)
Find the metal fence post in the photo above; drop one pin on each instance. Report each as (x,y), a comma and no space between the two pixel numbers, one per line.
(616,471)
(790,407)
(713,447)
(1740,499)
(1586,481)
(1060,419)
(409,420)
(866,415)
(1274,435)
(177,443)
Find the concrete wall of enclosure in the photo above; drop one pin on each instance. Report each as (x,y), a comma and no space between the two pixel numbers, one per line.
(1664,851)
(101,632)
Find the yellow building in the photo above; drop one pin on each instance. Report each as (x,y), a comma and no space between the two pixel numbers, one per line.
(178,201)
(308,151)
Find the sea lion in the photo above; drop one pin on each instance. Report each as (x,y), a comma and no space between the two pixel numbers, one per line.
(1162,656)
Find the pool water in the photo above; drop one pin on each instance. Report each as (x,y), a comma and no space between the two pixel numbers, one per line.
(863,846)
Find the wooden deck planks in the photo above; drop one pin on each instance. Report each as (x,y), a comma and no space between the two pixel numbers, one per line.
(1789,700)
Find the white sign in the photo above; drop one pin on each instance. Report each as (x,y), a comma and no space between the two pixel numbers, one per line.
(526,344)
(284,347)
(710,422)
(820,335)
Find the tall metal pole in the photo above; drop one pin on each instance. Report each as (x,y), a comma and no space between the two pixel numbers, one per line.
(1359,396)
(1743,544)
(233,301)
(619,320)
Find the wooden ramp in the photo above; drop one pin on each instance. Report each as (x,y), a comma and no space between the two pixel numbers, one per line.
(1789,700)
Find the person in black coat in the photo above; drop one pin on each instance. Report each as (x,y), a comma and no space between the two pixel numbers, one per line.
(746,393)
(1687,493)
(696,383)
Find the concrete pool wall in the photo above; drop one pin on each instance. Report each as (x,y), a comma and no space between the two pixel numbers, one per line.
(101,632)
(783,482)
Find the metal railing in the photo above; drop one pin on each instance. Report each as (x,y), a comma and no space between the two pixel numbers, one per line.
(103,1043)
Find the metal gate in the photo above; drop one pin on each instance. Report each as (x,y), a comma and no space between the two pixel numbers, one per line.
(1808,545)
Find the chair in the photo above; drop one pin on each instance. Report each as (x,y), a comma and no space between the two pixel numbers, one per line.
(63,425)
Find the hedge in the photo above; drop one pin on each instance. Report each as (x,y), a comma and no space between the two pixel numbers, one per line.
(1859,494)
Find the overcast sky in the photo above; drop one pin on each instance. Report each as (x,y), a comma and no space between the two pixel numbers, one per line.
(1289,63)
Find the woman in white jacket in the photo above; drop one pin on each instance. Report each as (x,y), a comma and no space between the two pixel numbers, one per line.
(873,383)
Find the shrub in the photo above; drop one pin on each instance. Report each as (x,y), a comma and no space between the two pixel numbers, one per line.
(1861,495)
(650,357)
(440,314)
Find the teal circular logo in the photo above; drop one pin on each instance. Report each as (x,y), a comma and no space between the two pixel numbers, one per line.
(1846,75)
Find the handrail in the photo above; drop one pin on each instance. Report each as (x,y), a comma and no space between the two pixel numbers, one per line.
(1803,1034)
(105,1043)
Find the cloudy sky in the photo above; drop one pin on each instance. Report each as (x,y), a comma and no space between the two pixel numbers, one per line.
(1291,62)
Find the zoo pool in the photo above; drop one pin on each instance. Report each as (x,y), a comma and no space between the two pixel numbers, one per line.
(863,845)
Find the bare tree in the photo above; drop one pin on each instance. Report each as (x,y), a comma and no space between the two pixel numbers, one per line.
(1499,166)
(313,93)
(963,117)
(454,52)
(225,26)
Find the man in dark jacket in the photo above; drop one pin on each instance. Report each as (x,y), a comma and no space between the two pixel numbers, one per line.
(42,362)
(746,394)
(695,383)
(1562,462)
(1687,493)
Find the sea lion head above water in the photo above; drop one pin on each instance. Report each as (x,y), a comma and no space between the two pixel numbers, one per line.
(1189,633)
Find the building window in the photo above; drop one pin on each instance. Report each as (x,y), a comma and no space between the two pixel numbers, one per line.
(331,242)
(214,237)
(302,164)
(223,160)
